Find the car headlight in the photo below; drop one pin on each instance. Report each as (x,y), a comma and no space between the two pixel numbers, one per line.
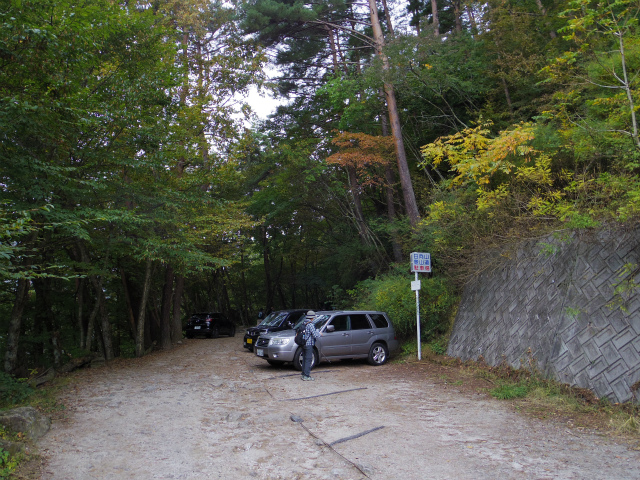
(248,333)
(279,341)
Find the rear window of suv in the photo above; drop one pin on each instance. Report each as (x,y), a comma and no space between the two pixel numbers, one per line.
(359,322)
(379,320)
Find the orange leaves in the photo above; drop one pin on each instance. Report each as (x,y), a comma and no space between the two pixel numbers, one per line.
(364,153)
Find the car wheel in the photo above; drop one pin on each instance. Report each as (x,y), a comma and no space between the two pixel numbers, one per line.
(378,354)
(232,332)
(215,333)
(275,363)
(189,335)
(298,358)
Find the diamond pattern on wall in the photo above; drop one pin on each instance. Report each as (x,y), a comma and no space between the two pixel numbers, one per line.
(558,307)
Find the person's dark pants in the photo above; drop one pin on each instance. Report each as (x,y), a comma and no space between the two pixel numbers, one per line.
(307,352)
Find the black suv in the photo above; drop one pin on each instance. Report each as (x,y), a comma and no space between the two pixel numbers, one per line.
(209,324)
(274,322)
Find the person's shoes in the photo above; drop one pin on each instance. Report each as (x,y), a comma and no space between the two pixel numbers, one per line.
(305,378)
(310,378)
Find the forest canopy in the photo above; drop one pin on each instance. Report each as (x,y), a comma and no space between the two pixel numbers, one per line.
(137,187)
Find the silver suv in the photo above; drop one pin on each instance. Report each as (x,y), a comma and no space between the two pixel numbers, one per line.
(345,334)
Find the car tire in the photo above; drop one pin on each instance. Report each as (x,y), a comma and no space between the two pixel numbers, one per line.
(189,335)
(215,333)
(297,359)
(378,354)
(232,332)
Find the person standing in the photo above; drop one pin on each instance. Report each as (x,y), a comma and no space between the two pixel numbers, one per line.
(310,335)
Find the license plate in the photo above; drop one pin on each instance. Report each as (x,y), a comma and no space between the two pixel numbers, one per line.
(249,340)
(260,352)
(196,328)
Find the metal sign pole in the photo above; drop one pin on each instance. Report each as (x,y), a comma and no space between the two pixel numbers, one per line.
(420,262)
(418,319)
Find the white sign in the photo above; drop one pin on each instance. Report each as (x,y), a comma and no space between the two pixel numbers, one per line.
(421,262)
(415,285)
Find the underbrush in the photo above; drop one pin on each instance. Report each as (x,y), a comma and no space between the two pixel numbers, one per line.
(13,391)
(8,462)
(391,293)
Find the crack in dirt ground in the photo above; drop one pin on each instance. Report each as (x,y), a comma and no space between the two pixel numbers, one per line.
(209,409)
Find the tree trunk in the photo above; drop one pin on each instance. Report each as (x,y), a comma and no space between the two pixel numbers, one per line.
(436,19)
(627,88)
(334,50)
(165,314)
(507,95)
(143,307)
(389,192)
(106,345)
(387,15)
(91,325)
(176,324)
(80,301)
(267,268)
(13,337)
(394,119)
(354,186)
(105,327)
(543,11)
(44,320)
(457,12)
(243,286)
(127,297)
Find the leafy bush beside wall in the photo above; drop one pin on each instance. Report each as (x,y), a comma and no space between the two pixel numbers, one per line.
(392,293)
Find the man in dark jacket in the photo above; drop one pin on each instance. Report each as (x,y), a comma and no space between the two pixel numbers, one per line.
(310,335)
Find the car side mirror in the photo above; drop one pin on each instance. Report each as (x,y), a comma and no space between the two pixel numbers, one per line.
(331,328)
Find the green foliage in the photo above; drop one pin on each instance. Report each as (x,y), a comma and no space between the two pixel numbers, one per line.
(392,293)
(13,391)
(508,391)
(438,346)
(8,463)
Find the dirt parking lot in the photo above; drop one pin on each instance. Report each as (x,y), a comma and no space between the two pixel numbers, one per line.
(209,409)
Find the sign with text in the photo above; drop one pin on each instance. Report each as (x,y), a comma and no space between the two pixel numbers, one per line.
(421,262)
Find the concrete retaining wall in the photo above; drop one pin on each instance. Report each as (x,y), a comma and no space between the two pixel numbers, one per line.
(550,299)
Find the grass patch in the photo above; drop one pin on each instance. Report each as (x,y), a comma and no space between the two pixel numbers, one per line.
(508,391)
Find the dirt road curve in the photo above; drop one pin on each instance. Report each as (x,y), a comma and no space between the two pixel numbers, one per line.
(209,409)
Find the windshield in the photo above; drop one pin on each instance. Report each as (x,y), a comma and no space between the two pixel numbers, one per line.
(318,322)
(267,319)
(274,319)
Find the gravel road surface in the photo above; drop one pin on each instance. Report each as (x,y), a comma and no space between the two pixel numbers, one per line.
(209,409)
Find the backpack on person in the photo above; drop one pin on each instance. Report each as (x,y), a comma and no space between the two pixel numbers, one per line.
(299,338)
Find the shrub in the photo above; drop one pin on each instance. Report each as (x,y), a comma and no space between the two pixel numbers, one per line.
(392,293)
(8,464)
(12,390)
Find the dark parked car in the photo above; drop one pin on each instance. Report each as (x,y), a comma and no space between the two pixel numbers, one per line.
(209,324)
(345,335)
(274,322)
